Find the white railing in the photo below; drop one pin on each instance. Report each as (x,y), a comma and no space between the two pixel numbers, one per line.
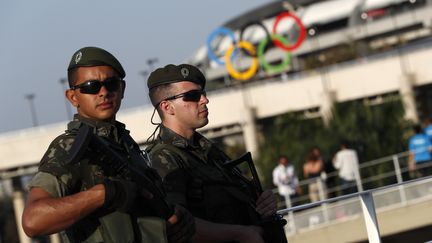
(382,189)
(314,215)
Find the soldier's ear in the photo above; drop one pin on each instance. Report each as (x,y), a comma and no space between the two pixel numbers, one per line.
(167,107)
(71,96)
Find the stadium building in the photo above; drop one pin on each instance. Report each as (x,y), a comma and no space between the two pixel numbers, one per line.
(299,56)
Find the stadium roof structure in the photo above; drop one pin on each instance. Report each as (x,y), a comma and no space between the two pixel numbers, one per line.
(269,10)
(329,22)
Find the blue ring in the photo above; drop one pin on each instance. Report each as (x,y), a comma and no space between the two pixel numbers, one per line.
(214,34)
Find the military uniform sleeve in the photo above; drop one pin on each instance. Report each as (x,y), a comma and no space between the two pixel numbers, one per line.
(174,177)
(49,183)
(56,177)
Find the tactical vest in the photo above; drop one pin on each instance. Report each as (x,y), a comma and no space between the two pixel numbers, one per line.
(213,193)
(113,227)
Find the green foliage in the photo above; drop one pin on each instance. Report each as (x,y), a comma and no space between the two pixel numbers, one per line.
(374,131)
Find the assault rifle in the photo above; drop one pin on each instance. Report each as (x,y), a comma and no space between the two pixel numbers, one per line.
(274,231)
(112,163)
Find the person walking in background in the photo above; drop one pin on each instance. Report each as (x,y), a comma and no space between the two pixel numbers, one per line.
(312,169)
(285,178)
(346,162)
(419,162)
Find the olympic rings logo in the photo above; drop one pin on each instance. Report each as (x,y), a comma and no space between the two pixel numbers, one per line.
(257,54)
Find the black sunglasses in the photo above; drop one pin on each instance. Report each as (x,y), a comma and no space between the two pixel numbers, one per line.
(93,86)
(191,95)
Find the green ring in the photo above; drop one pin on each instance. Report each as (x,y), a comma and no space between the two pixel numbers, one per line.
(273,68)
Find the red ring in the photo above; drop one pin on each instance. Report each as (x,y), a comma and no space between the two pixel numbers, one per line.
(300,39)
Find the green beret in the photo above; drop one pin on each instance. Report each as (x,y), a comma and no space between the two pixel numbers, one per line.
(172,74)
(94,56)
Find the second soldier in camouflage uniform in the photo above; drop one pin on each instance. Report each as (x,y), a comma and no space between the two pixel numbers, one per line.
(223,204)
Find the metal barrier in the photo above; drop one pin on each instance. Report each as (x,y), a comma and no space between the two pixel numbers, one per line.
(389,188)
(313,215)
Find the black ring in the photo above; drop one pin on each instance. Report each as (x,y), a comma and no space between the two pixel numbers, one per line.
(244,27)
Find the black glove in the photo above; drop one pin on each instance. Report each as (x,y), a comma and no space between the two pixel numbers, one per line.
(183,229)
(120,194)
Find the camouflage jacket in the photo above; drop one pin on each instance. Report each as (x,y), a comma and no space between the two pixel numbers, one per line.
(68,176)
(61,179)
(194,175)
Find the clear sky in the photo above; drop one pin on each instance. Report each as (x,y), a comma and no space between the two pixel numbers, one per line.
(38,38)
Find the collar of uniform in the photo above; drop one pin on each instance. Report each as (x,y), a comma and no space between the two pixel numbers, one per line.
(169,136)
(102,128)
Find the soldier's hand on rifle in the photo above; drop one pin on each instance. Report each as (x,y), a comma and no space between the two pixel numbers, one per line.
(120,194)
(266,204)
(180,226)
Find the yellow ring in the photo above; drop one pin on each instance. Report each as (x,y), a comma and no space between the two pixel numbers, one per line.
(252,69)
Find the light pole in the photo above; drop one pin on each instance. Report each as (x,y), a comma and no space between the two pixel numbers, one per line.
(63,82)
(30,98)
(152,61)
(145,73)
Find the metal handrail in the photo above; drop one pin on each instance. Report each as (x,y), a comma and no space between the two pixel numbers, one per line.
(367,205)
(343,197)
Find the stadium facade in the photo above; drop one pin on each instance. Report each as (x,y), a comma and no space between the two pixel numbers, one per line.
(352,50)
(338,51)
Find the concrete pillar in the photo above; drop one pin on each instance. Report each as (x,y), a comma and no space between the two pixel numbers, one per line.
(55,238)
(250,132)
(407,94)
(326,105)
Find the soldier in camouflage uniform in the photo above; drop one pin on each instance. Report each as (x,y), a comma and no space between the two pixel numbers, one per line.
(76,198)
(192,167)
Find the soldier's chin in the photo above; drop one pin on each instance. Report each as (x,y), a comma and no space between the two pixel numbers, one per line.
(203,123)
